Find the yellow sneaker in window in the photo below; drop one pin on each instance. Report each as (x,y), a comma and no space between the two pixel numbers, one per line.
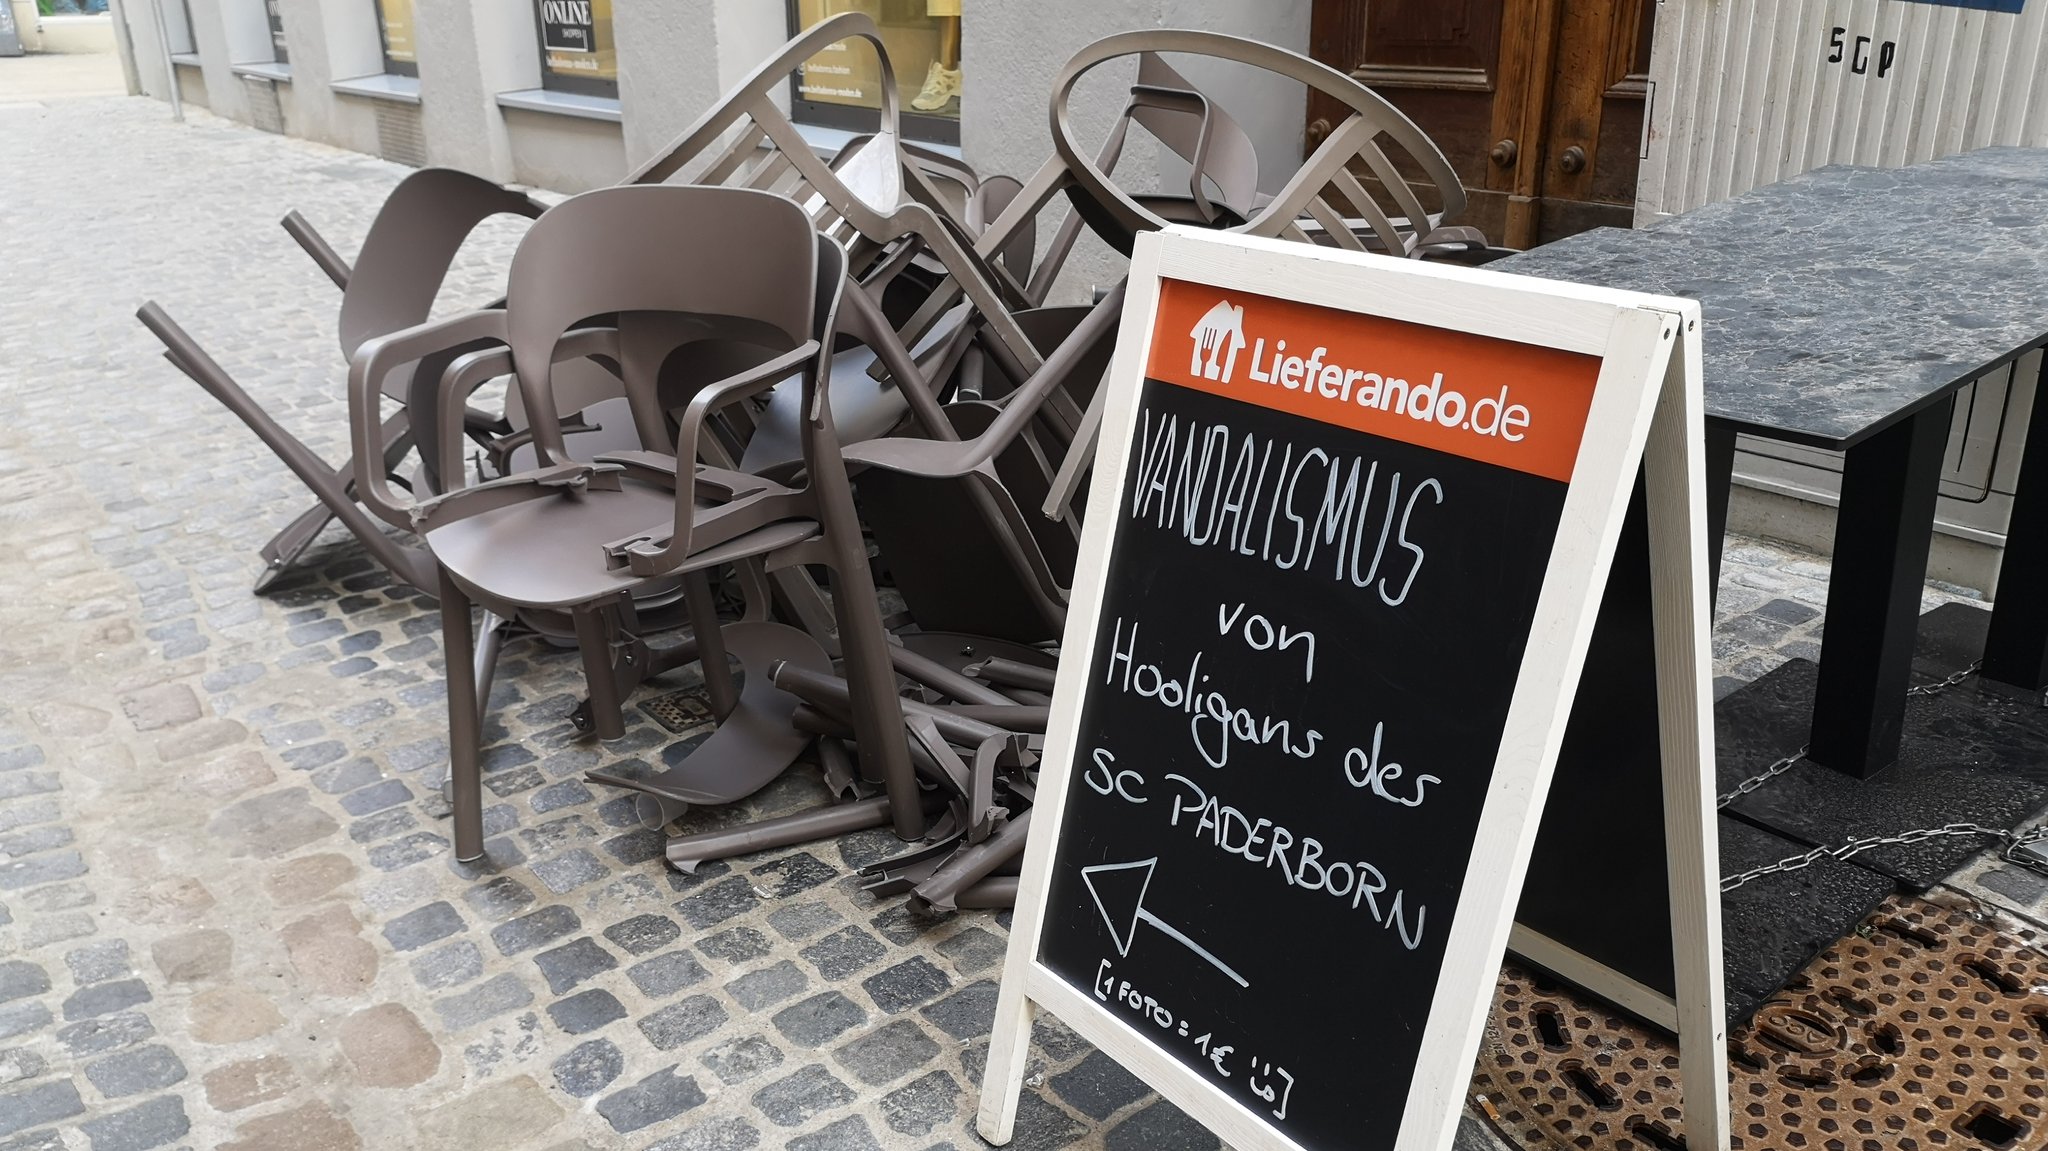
(941,86)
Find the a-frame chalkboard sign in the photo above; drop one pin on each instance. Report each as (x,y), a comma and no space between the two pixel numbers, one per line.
(1348,526)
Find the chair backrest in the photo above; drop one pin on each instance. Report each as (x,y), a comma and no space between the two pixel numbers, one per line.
(672,264)
(410,246)
(1323,189)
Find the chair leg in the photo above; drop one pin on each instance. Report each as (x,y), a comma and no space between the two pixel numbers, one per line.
(606,700)
(710,644)
(465,728)
(490,644)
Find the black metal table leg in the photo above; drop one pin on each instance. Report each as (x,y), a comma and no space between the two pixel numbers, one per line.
(2016,651)
(1882,535)
(1720,467)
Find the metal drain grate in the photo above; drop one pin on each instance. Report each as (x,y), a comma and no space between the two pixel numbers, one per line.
(681,712)
(1924,1030)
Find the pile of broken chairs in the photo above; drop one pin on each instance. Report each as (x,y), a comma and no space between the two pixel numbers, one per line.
(747,367)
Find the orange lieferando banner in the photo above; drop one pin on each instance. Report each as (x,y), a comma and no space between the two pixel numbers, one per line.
(1496,401)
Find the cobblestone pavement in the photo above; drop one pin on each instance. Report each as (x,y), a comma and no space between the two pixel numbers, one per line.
(228,916)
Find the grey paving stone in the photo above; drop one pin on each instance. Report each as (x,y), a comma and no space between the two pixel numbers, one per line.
(770,985)
(444,967)
(906,985)
(923,1104)
(637,846)
(719,902)
(900,925)
(887,1053)
(664,975)
(2015,883)
(20,979)
(19,1063)
(530,931)
(105,998)
(421,926)
(96,962)
(713,1135)
(134,1071)
(586,1011)
(346,776)
(1160,1124)
(493,997)
(589,1067)
(569,871)
(407,850)
(376,797)
(974,950)
(1098,1086)
(794,1099)
(643,933)
(848,1134)
(38,1104)
(29,840)
(153,1124)
(655,1099)
(572,963)
(740,1059)
(121,1029)
(793,875)
(383,825)
(498,899)
(820,1019)
(567,793)
(683,1021)
(16,784)
(803,920)
(39,869)
(1041,1126)
(844,952)
(968,1013)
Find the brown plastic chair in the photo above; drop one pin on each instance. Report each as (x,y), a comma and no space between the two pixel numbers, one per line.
(393,285)
(733,278)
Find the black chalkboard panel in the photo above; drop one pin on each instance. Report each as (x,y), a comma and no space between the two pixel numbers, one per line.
(1306,652)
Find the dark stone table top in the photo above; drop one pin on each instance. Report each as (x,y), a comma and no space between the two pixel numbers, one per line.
(1842,300)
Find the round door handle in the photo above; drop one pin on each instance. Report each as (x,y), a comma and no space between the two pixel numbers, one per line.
(1573,161)
(1504,154)
(1318,131)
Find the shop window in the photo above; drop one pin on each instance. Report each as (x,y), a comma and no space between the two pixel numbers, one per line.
(838,87)
(577,52)
(394,28)
(277,50)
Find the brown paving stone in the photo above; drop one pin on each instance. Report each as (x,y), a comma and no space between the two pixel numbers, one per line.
(200,737)
(513,1113)
(312,1127)
(172,899)
(272,823)
(249,1082)
(307,878)
(166,705)
(328,953)
(61,718)
(228,775)
(194,956)
(232,1015)
(388,1047)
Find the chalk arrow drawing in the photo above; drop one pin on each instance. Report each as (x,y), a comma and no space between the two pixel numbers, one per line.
(1119,893)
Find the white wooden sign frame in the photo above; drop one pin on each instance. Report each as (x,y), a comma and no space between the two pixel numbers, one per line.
(1645,395)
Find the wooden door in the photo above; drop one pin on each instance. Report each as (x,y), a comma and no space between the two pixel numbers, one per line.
(1539,104)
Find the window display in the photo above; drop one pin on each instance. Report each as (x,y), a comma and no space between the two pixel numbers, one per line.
(394,24)
(837,87)
(577,52)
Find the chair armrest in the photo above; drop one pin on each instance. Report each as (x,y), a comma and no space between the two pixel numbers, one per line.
(540,483)
(651,558)
(375,359)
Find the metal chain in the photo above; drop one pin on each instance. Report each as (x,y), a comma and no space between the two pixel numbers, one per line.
(1944,685)
(1855,847)
(1784,765)
(1758,780)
